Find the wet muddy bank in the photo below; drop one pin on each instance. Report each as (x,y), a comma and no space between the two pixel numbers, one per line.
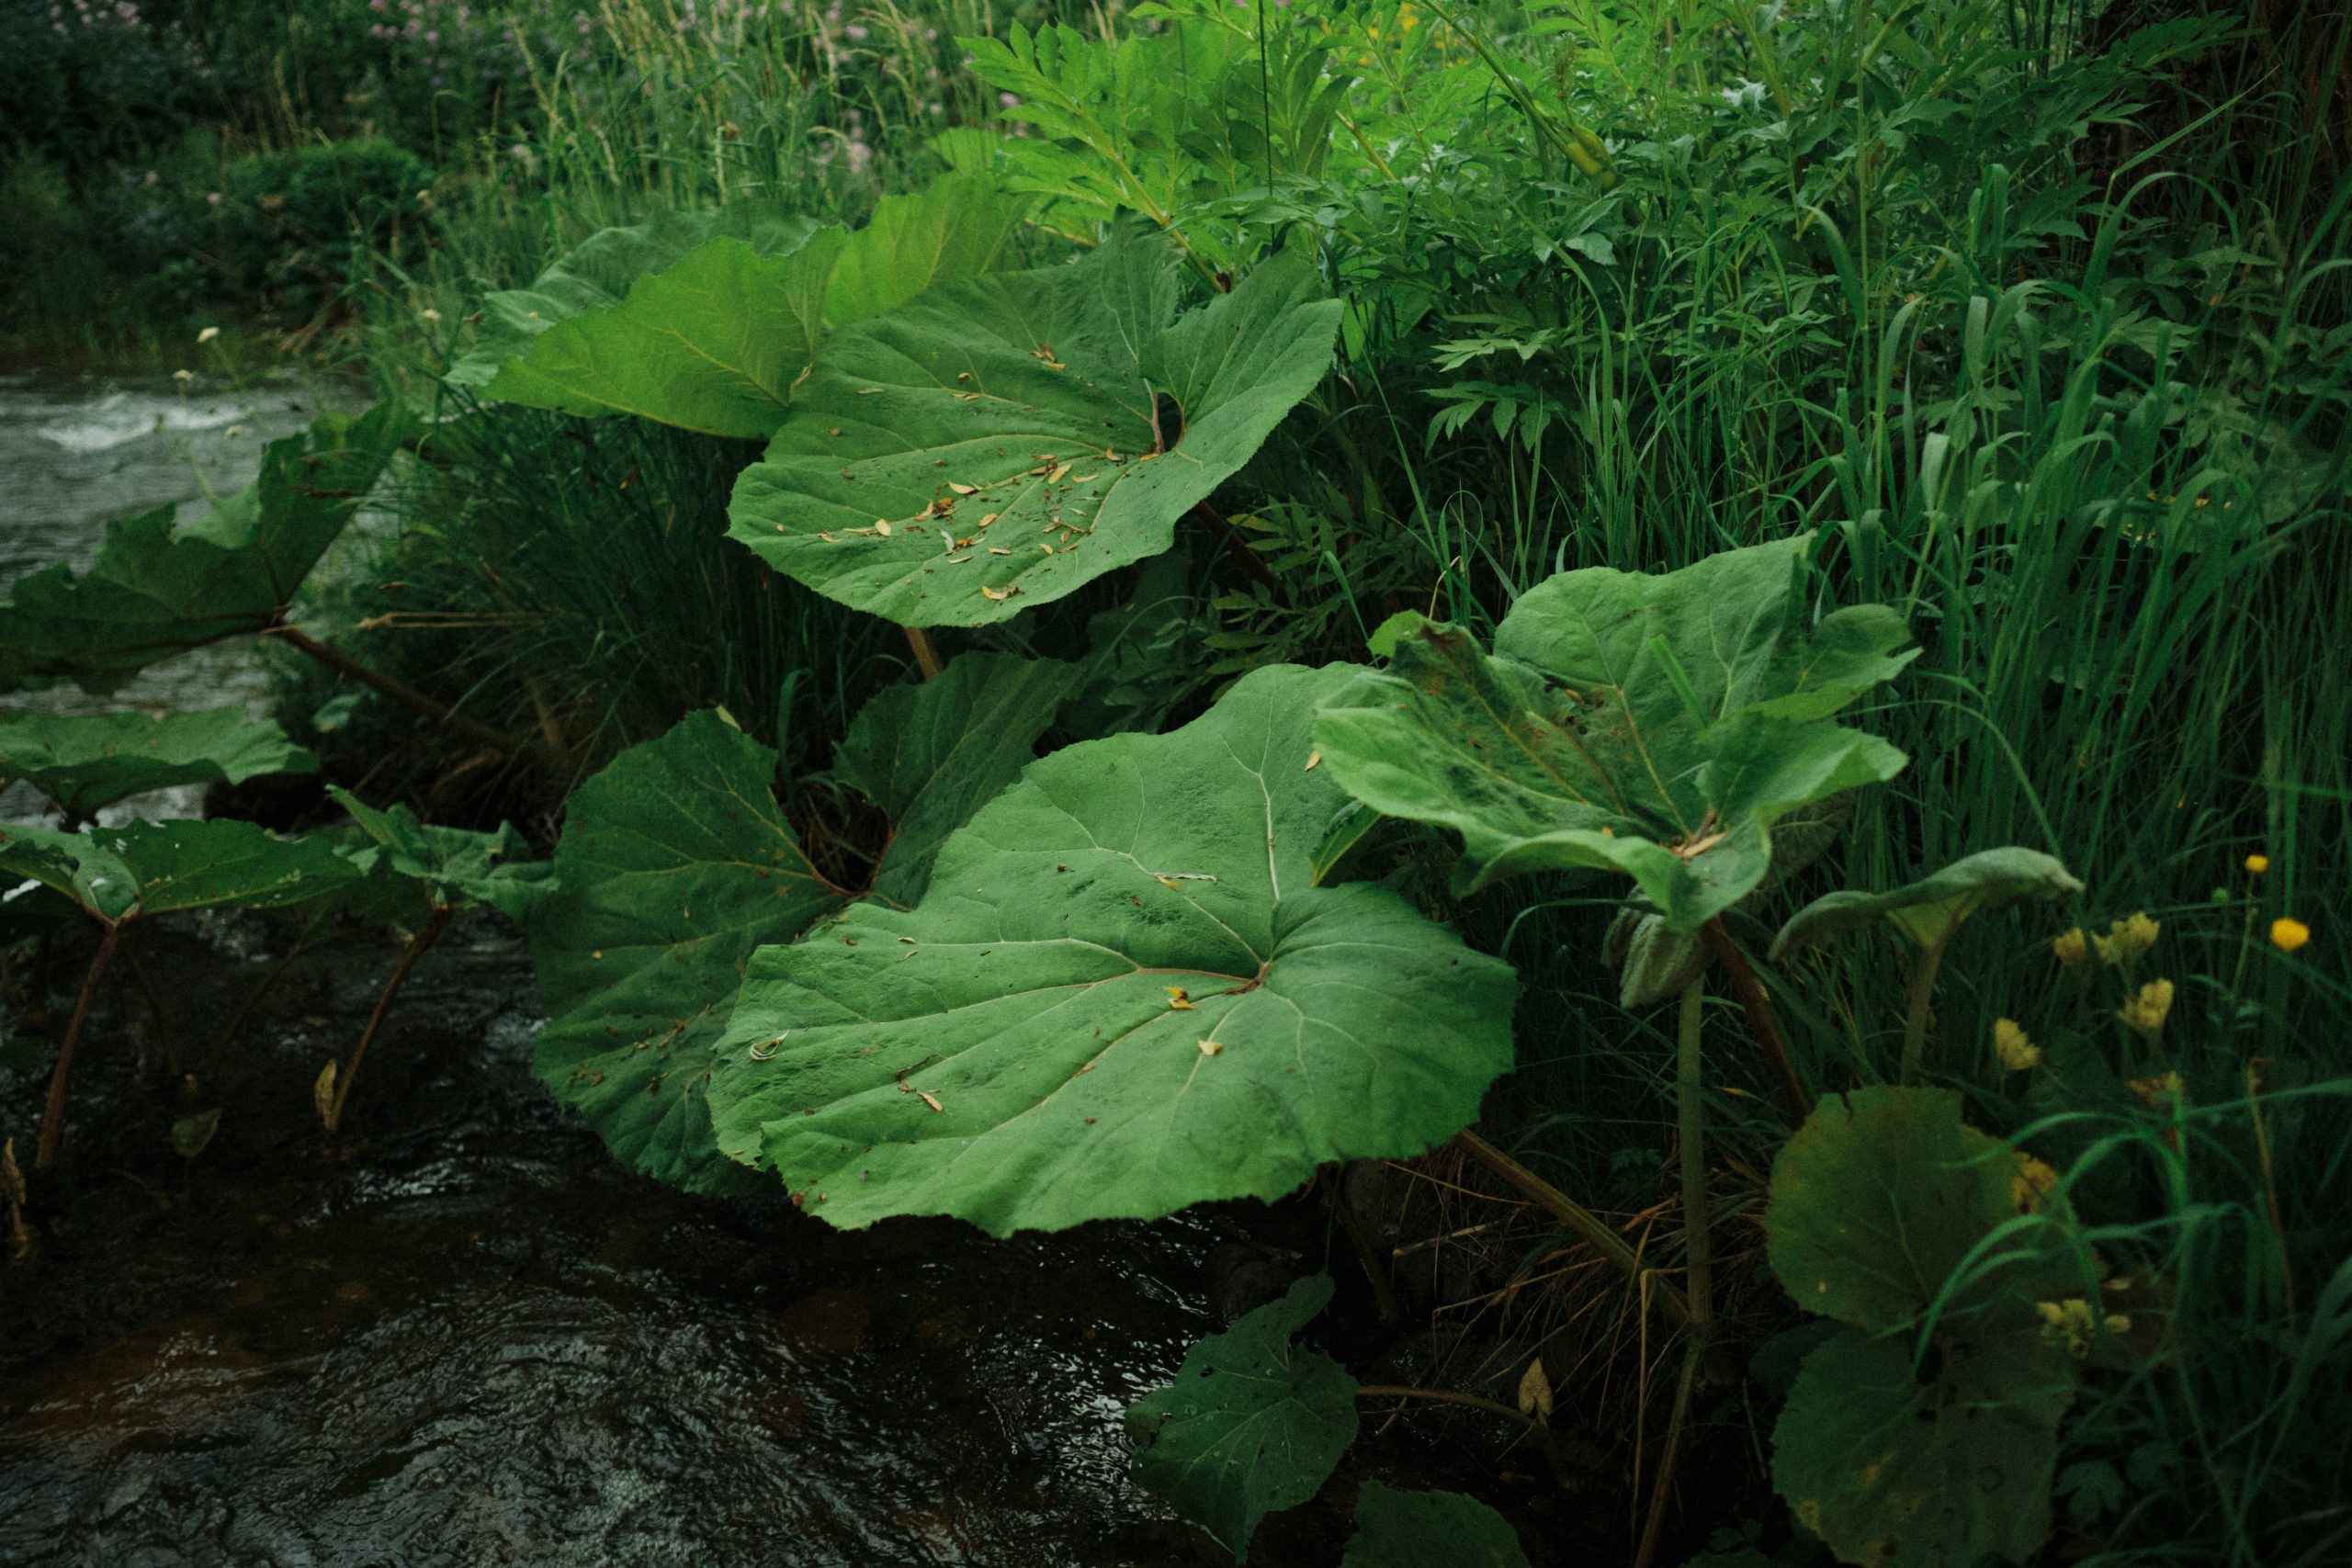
(461,1335)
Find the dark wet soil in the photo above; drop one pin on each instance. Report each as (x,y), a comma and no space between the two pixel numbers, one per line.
(462,1335)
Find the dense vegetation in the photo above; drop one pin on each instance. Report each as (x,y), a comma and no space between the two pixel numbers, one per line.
(1109,610)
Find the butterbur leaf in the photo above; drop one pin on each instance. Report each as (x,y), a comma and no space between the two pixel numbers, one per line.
(598,276)
(154,868)
(714,342)
(1931,910)
(1889,1466)
(1923,1434)
(1881,1196)
(86,761)
(959,226)
(1421,1529)
(929,754)
(998,443)
(706,320)
(1252,1422)
(159,589)
(456,865)
(1010,1050)
(676,862)
(1660,726)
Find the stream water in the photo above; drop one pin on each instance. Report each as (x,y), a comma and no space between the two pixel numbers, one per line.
(460,1334)
(78,450)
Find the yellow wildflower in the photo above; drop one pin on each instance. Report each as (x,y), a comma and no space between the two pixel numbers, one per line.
(2288,934)
(2126,939)
(2070,947)
(2258,864)
(2030,1182)
(2070,1323)
(2017,1052)
(2146,1012)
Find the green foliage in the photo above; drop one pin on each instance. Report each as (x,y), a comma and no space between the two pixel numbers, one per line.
(676,863)
(1161,123)
(116,874)
(1889,1469)
(712,339)
(930,755)
(957,226)
(1992,300)
(1121,978)
(454,866)
(302,225)
(707,321)
(1422,1530)
(159,589)
(1931,910)
(1655,726)
(999,442)
(1925,1432)
(1252,1422)
(83,763)
(597,277)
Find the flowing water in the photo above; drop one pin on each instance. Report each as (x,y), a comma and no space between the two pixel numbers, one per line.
(460,1334)
(78,450)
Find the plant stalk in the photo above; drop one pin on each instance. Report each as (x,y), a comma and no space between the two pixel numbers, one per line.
(926,653)
(53,1120)
(426,935)
(1375,1272)
(1698,1250)
(1918,993)
(408,697)
(1450,1396)
(1757,1005)
(1691,1108)
(1576,1217)
(1238,547)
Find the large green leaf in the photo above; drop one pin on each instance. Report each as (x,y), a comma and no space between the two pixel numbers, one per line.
(1877,1201)
(706,320)
(453,865)
(712,343)
(1425,1529)
(158,589)
(1011,1050)
(597,277)
(1251,1424)
(931,753)
(959,226)
(1923,1434)
(1655,726)
(1001,442)
(676,862)
(86,761)
(154,868)
(1893,1468)
(1931,910)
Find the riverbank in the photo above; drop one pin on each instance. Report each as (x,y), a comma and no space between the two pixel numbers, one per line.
(459,1332)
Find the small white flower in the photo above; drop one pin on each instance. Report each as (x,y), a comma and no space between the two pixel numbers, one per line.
(430,314)
(207,335)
